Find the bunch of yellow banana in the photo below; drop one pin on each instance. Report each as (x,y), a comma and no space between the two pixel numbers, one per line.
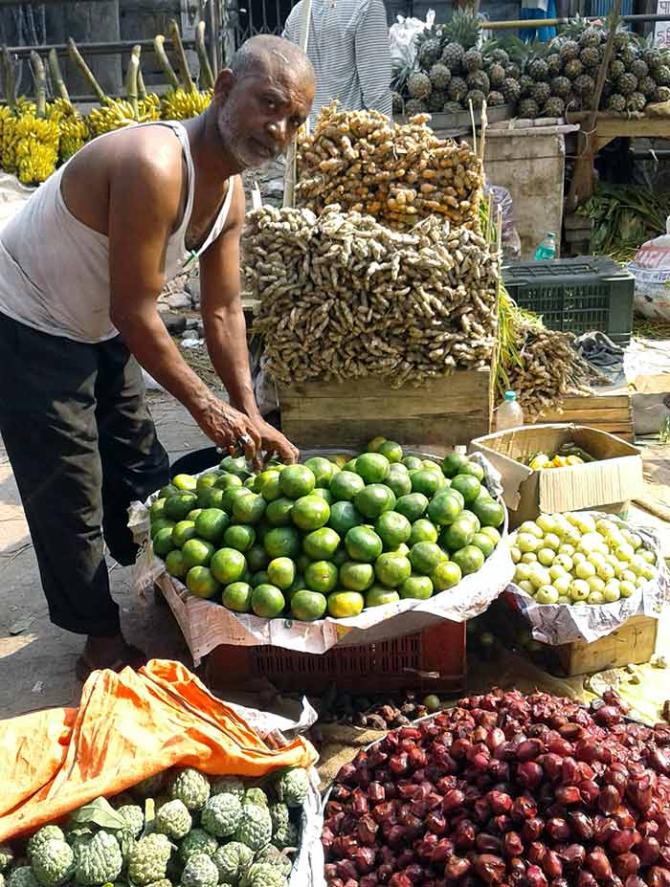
(35,148)
(109,115)
(150,107)
(180,104)
(72,127)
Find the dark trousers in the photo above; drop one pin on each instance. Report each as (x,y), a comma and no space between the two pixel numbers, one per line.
(82,445)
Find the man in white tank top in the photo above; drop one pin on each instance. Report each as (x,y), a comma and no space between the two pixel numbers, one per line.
(81,268)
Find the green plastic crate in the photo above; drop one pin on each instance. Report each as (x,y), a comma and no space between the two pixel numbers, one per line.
(576,295)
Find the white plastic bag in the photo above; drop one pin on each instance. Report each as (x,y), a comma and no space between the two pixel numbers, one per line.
(651,270)
(402,36)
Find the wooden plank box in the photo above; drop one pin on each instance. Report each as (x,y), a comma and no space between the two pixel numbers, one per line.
(612,413)
(441,413)
(633,643)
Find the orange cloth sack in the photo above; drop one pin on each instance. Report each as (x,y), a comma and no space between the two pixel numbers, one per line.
(128,726)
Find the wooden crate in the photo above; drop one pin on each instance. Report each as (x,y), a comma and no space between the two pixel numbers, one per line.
(634,643)
(441,413)
(607,412)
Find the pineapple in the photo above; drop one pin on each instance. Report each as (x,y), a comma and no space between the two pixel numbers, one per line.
(472,60)
(463,28)
(662,94)
(627,84)
(511,90)
(528,109)
(429,49)
(496,74)
(457,89)
(540,93)
(538,69)
(554,107)
(573,69)
(478,80)
(616,69)
(652,57)
(499,57)
(440,76)
(639,68)
(452,108)
(495,98)
(561,86)
(616,102)
(573,103)
(621,39)
(569,51)
(584,85)
(452,56)
(661,75)
(647,86)
(590,56)
(398,103)
(436,100)
(554,63)
(526,83)
(636,102)
(419,85)
(415,106)
(513,70)
(628,56)
(591,37)
(477,97)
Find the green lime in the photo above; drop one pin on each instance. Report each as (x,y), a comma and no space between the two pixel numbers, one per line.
(489,512)
(427,481)
(298,584)
(296,481)
(185,482)
(444,508)
(342,604)
(157,509)
(226,481)
(267,601)
(201,582)
(193,515)
(235,465)
(182,532)
(453,463)
(310,513)
(340,557)
(469,559)
(278,512)
(425,556)
(458,535)
(363,544)
(419,587)
(259,578)
(474,469)
(412,506)
(423,530)
(492,533)
(167,491)
(211,523)
(468,486)
(350,465)
(356,576)
(392,451)
(392,569)
(402,549)
(307,606)
(321,576)
(256,557)
(281,572)
(177,507)
(374,500)
(372,467)
(237,597)
(412,463)
(175,565)
(231,495)
(321,544)
(322,469)
(471,518)
(268,485)
(197,552)
(282,542)
(241,537)
(399,481)
(228,565)
(249,509)
(210,497)
(207,480)
(431,465)
(344,516)
(378,595)
(446,575)
(324,494)
(393,529)
(374,444)
(345,485)
(161,523)
(483,543)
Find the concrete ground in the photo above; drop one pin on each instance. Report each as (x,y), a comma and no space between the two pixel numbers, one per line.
(36,658)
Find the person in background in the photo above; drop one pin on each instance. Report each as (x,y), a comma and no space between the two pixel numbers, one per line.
(348,46)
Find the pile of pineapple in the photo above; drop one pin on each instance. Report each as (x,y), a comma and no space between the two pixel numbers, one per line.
(454,70)
(563,76)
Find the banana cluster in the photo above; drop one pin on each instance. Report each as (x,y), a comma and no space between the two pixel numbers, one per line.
(178,104)
(72,128)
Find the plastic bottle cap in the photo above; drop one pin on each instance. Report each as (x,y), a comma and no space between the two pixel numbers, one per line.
(460,450)
(510,396)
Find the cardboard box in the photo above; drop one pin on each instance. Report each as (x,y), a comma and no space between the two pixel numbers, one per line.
(608,484)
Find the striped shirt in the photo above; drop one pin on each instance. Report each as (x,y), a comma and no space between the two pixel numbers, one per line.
(348,45)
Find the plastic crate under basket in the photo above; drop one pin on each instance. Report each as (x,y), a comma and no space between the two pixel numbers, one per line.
(576,295)
(433,659)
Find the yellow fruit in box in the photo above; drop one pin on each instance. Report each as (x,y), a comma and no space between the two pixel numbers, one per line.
(540,461)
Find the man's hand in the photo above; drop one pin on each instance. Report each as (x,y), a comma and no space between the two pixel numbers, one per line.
(226,426)
(274,442)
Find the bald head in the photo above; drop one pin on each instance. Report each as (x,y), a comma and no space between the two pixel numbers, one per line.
(272,55)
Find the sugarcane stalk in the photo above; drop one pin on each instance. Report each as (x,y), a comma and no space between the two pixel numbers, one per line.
(206,74)
(182,61)
(8,77)
(78,59)
(40,75)
(57,76)
(164,61)
(131,80)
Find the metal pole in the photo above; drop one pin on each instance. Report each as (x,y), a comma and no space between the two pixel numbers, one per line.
(92,48)
(549,22)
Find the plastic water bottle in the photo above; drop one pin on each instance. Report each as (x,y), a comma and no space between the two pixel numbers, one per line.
(547,249)
(509,414)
